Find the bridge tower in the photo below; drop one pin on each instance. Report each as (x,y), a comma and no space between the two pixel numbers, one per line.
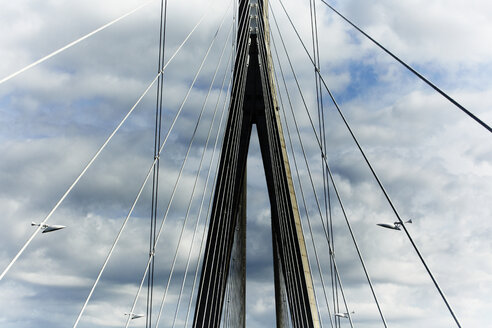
(253,101)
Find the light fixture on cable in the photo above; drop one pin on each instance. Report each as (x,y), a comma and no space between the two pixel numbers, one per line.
(343,314)
(135,316)
(47,228)
(395,226)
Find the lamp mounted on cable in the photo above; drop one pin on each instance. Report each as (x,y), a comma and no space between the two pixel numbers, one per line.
(48,228)
(394,226)
(343,314)
(135,316)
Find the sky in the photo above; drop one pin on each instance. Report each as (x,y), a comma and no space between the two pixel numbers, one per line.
(434,161)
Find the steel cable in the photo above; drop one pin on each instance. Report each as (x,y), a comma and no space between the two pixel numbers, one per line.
(71,44)
(134,203)
(201,163)
(237,92)
(89,164)
(411,69)
(180,172)
(316,197)
(157,144)
(441,293)
(208,211)
(286,230)
(297,171)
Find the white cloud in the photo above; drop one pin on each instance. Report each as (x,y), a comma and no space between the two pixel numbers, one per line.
(434,161)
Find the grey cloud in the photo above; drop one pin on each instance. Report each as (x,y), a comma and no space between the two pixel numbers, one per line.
(433,161)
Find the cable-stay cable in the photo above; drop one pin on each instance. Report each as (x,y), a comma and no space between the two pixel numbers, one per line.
(71,44)
(224,205)
(200,254)
(209,168)
(293,288)
(180,238)
(411,69)
(322,133)
(390,202)
(320,271)
(395,211)
(432,85)
(226,312)
(236,96)
(312,237)
(187,212)
(316,197)
(76,180)
(157,144)
(180,172)
(269,123)
(194,187)
(202,199)
(230,185)
(346,219)
(142,186)
(284,206)
(322,128)
(96,155)
(300,184)
(207,217)
(319,96)
(185,220)
(303,199)
(203,238)
(319,209)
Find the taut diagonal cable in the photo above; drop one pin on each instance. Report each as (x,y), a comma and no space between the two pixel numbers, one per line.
(264,57)
(314,189)
(195,183)
(302,194)
(179,175)
(71,44)
(48,216)
(200,165)
(138,194)
(236,95)
(386,195)
(411,69)
(332,255)
(209,208)
(157,145)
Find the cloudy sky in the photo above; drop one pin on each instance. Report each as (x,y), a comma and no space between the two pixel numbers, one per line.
(435,162)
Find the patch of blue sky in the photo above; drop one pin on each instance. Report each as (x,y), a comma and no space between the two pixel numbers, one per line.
(52,119)
(471,76)
(203,84)
(79,117)
(7,116)
(93,115)
(362,78)
(61,67)
(468,75)
(433,71)
(22,119)
(5,101)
